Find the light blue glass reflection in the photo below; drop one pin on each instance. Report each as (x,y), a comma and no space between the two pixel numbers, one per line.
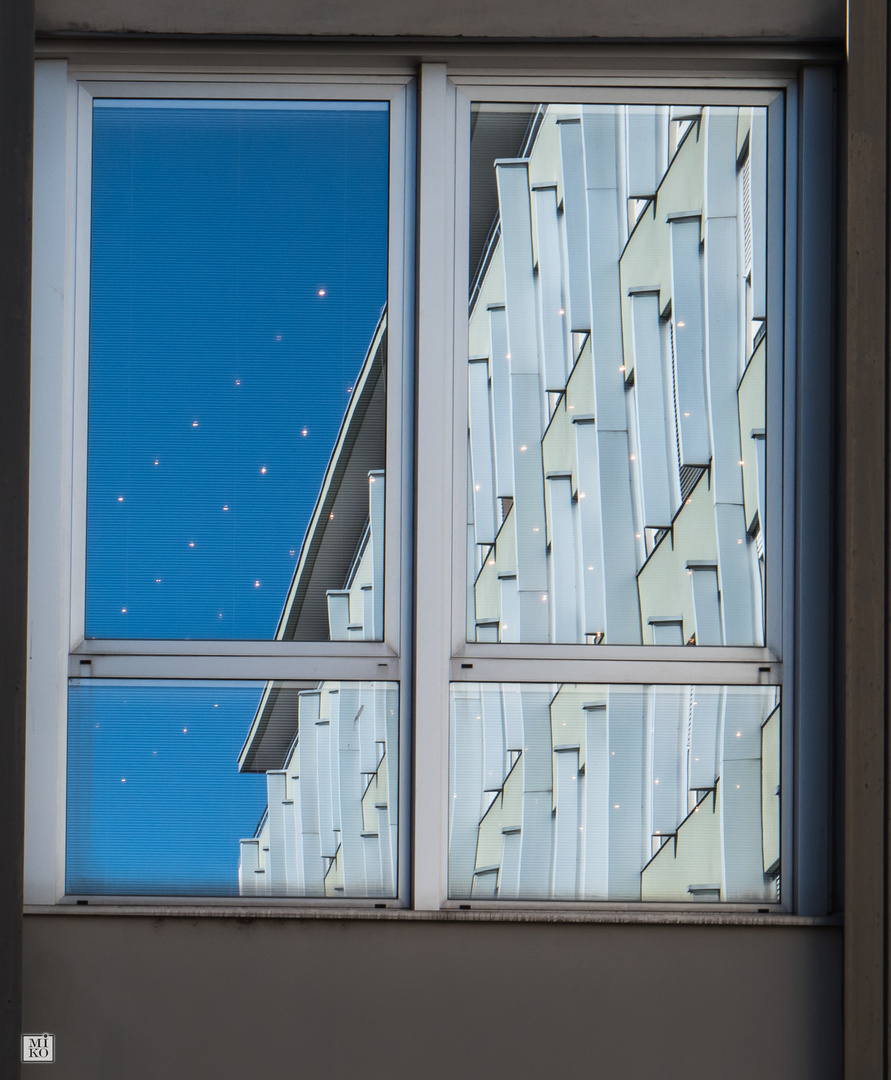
(608,792)
(238,273)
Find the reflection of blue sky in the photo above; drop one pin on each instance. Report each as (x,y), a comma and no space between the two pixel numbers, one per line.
(239,259)
(238,269)
(155,800)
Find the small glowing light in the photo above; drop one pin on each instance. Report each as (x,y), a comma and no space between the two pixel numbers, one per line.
(686,414)
(123,611)
(739,541)
(658,832)
(561,312)
(632,457)
(615,806)
(292,551)
(742,462)
(590,567)
(689,573)
(220,615)
(321,292)
(696,759)
(185,730)
(688,500)
(535,528)
(621,367)
(738,734)
(123,779)
(226,507)
(305,432)
(156,463)
(191,543)
(681,323)
(544,598)
(491,562)
(637,536)
(613,753)
(157,581)
(238,382)
(507,355)
(256,584)
(278,337)
(581,494)
(571,406)
(476,487)
(120,498)
(194,423)
(737,787)
(349,389)
(263,470)
(216,706)
(154,753)
(522,447)
(655,781)
(330,517)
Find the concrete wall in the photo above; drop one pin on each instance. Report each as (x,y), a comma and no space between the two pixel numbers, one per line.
(177,997)
(693,19)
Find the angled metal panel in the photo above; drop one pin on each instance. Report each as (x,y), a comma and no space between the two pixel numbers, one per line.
(502,426)
(706,609)
(687,316)
(736,577)
(590,527)
(550,280)
(596,802)
(564,561)
(629,840)
(308,716)
(652,397)
(376,506)
(646,141)
(619,561)
(481,452)
(566,824)
(537,833)
(606,222)
(465,783)
(707,710)
(575,216)
(668,789)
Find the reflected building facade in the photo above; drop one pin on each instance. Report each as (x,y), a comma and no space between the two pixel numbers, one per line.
(616,449)
(330,750)
(616,425)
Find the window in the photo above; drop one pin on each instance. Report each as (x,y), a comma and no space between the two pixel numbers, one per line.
(612,370)
(239,503)
(509,559)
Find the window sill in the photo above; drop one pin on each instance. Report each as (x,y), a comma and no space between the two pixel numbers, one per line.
(613,916)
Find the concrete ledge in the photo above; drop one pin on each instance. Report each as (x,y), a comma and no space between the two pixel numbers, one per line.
(660,917)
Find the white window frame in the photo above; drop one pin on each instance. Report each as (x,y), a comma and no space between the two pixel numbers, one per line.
(424,648)
(63,211)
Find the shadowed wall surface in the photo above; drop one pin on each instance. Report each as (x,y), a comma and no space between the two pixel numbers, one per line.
(181,997)
(674,19)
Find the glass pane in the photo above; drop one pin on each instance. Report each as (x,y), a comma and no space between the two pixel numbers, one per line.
(616,374)
(622,793)
(227,789)
(237,370)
